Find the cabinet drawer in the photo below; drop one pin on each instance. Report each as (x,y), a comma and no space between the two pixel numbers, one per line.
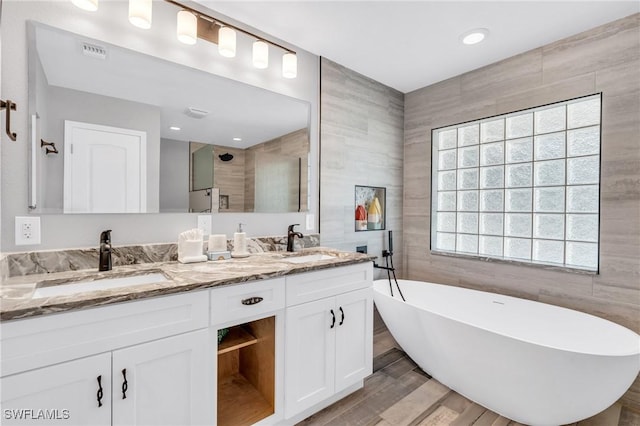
(316,285)
(50,339)
(227,306)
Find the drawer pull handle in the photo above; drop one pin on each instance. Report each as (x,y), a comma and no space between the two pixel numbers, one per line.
(333,319)
(252,300)
(99,394)
(342,312)
(125,384)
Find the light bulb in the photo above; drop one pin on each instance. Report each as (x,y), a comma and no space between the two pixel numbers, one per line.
(289,65)
(187,27)
(140,13)
(260,54)
(90,5)
(227,42)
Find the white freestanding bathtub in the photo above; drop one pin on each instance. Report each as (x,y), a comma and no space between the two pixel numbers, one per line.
(531,362)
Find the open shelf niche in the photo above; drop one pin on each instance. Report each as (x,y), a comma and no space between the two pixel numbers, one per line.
(246,373)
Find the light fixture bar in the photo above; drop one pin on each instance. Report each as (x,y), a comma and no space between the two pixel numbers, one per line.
(215,24)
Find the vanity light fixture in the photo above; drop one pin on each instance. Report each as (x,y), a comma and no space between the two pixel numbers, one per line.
(227,42)
(289,65)
(90,5)
(260,54)
(474,36)
(187,30)
(193,24)
(140,13)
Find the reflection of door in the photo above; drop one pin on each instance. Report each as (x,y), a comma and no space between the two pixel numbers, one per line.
(105,169)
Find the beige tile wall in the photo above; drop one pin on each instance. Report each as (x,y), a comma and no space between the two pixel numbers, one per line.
(229,176)
(292,145)
(361,134)
(605,59)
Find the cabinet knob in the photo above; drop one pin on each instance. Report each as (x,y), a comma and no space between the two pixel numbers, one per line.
(252,300)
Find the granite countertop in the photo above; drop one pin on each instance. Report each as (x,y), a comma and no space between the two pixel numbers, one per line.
(16,293)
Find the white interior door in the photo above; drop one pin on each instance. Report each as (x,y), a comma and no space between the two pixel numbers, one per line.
(105,169)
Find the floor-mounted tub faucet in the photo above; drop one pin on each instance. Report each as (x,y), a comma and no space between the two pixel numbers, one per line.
(105,251)
(291,235)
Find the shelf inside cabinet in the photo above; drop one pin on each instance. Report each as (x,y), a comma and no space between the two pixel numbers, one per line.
(240,403)
(237,338)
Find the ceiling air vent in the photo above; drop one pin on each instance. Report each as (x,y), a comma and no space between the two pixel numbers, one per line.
(94,51)
(196,112)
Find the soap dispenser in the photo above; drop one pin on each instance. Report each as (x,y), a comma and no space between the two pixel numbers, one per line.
(239,243)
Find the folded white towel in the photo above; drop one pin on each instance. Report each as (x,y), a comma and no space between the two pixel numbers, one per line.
(190,247)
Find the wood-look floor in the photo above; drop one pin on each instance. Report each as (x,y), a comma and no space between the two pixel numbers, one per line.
(400,393)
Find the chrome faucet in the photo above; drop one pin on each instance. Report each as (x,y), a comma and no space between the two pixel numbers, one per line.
(291,235)
(105,251)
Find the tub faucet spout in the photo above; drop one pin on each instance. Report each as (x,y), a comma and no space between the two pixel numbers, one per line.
(105,251)
(291,235)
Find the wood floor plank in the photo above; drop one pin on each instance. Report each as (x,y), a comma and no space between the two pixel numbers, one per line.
(440,417)
(389,357)
(374,383)
(501,421)
(469,416)
(417,402)
(456,402)
(610,416)
(486,419)
(399,367)
(629,418)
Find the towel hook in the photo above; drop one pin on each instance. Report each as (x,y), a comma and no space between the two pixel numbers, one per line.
(49,144)
(9,105)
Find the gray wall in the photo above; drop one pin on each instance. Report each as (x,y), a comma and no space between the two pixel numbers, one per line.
(174,176)
(110,24)
(605,59)
(361,131)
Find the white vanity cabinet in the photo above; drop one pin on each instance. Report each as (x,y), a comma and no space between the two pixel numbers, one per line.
(51,365)
(329,332)
(74,392)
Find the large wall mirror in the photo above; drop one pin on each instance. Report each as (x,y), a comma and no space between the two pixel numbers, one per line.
(135,133)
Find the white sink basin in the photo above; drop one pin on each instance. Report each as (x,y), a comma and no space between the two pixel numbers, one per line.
(101,284)
(308,258)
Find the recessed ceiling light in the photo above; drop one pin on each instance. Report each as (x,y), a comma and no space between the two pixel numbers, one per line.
(474,36)
(237,139)
(174,128)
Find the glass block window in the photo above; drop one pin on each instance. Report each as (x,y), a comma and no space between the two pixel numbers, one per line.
(523,186)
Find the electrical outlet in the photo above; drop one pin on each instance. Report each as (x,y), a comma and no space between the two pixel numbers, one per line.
(204,224)
(27,230)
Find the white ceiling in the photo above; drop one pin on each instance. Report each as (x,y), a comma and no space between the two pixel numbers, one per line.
(410,45)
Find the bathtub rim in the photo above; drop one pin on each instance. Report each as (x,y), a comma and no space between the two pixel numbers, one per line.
(609,323)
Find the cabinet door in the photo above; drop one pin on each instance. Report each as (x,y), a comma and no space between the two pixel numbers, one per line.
(165,382)
(354,337)
(65,394)
(309,355)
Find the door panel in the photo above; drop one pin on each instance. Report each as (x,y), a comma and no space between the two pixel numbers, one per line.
(354,338)
(166,382)
(65,394)
(104,169)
